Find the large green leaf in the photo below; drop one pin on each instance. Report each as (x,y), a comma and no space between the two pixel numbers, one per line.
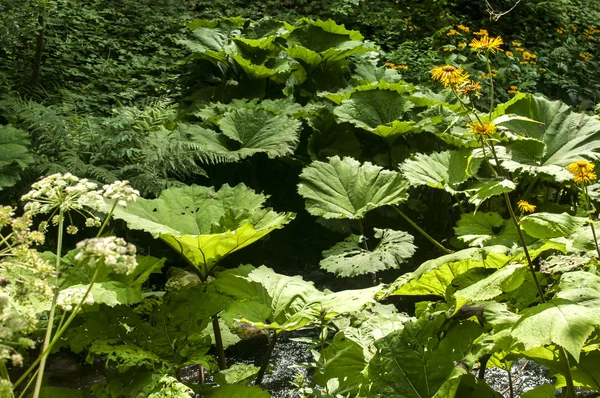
(247,131)
(343,188)
(483,190)
(350,258)
(344,360)
(293,302)
(378,109)
(442,170)
(568,136)
(417,361)
(561,322)
(506,279)
(549,225)
(434,277)
(14,154)
(580,287)
(202,224)
(236,391)
(485,228)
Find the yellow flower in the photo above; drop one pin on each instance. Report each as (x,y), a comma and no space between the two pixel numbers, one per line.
(487,43)
(583,171)
(509,53)
(469,87)
(523,62)
(560,31)
(452,32)
(519,49)
(542,69)
(528,55)
(482,32)
(513,90)
(395,66)
(462,45)
(463,27)
(446,48)
(525,206)
(449,75)
(482,129)
(516,44)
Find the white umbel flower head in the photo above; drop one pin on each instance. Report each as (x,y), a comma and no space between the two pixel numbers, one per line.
(113,252)
(69,298)
(58,191)
(120,191)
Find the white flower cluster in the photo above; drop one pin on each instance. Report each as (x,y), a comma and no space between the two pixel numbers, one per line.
(120,191)
(113,252)
(59,191)
(69,298)
(6,214)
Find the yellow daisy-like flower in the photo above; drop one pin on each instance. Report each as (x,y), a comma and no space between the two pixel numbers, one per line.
(449,75)
(463,27)
(516,44)
(482,129)
(482,32)
(509,53)
(470,87)
(583,171)
(525,206)
(462,45)
(452,32)
(487,43)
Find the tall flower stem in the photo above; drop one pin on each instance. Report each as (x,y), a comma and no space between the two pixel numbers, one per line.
(61,330)
(421,231)
(588,208)
(44,356)
(489,69)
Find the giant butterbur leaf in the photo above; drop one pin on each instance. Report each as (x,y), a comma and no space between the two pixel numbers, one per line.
(561,322)
(506,279)
(485,228)
(202,224)
(549,225)
(567,135)
(434,277)
(442,170)
(378,109)
(343,188)
(247,131)
(416,361)
(350,258)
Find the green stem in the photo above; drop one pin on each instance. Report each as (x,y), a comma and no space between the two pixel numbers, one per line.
(219,343)
(570,388)
(266,359)
(28,385)
(366,247)
(489,68)
(48,336)
(59,333)
(421,231)
(588,208)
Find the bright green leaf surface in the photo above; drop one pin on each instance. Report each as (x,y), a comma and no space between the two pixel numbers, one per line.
(549,225)
(343,188)
(350,258)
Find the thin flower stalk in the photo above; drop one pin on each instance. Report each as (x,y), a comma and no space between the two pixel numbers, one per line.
(583,174)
